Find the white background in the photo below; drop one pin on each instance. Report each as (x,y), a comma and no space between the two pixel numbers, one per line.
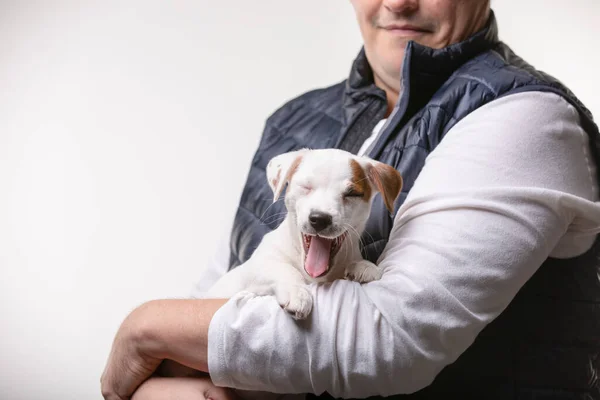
(126,132)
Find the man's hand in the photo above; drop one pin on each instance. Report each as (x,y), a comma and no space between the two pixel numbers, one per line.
(128,365)
(157,330)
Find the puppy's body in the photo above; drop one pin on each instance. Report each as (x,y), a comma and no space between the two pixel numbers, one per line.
(328,199)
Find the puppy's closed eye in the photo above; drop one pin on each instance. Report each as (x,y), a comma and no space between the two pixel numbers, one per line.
(305,188)
(351,192)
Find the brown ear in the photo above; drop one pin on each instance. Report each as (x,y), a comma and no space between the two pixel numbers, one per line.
(387,180)
(280,170)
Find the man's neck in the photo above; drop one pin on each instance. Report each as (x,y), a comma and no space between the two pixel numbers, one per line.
(391,93)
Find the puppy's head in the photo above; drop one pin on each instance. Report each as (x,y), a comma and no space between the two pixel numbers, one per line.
(328,198)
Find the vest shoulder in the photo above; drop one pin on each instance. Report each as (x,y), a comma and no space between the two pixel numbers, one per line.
(500,72)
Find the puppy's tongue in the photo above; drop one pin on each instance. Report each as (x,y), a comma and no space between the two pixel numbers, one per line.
(317,258)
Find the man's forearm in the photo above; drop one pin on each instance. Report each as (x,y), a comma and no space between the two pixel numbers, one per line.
(178,330)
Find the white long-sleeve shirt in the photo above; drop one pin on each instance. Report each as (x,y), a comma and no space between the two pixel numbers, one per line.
(511,184)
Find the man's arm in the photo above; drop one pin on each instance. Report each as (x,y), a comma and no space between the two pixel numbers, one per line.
(178,330)
(506,188)
(157,330)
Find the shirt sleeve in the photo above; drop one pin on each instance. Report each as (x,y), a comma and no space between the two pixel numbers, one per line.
(510,185)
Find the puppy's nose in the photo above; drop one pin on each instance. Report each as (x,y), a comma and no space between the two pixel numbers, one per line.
(319,220)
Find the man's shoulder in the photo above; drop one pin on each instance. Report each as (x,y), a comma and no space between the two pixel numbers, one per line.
(501,70)
(324,101)
(493,74)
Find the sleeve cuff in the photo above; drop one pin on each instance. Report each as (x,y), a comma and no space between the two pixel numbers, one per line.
(217,366)
(227,352)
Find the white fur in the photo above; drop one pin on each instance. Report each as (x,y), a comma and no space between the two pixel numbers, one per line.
(277,266)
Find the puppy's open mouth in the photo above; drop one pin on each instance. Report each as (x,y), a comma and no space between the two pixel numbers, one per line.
(319,253)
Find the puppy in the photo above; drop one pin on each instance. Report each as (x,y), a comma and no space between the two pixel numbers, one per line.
(328,199)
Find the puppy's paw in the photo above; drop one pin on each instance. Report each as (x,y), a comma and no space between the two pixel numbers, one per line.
(296,300)
(363,271)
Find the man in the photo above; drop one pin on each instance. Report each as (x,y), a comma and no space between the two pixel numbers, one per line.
(490,288)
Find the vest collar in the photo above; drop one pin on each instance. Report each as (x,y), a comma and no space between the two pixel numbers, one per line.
(433,64)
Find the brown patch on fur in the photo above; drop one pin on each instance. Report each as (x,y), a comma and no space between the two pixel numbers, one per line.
(275,182)
(293,168)
(388,182)
(360,181)
(278,183)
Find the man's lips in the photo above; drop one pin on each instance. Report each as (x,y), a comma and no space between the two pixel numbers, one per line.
(405,30)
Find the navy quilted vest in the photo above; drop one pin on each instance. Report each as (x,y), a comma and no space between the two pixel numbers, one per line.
(546,344)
